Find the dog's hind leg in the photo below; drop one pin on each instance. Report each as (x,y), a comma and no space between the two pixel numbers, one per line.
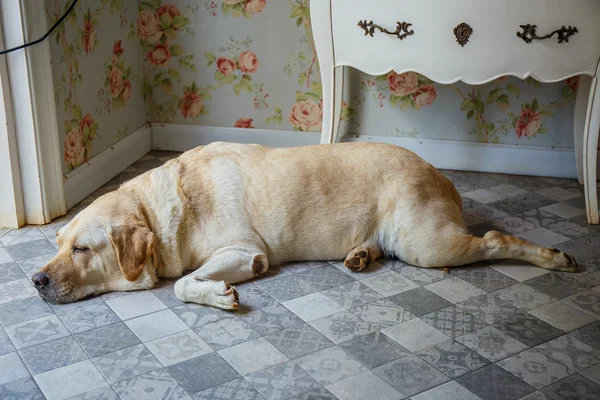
(209,284)
(361,256)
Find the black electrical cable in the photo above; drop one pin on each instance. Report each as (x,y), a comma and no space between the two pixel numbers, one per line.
(47,33)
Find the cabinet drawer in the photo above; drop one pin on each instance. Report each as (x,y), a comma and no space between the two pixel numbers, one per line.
(429,44)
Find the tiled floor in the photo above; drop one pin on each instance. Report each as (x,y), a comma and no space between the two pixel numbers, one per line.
(318,331)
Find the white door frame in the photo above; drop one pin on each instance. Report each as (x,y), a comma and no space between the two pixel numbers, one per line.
(33,105)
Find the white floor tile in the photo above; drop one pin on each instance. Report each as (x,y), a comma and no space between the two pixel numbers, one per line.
(313,306)
(562,316)
(135,304)
(70,381)
(519,270)
(455,290)
(415,335)
(252,356)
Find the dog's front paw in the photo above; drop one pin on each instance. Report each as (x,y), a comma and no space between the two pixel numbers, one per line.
(358,259)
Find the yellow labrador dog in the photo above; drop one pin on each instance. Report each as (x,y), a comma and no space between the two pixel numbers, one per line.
(228,211)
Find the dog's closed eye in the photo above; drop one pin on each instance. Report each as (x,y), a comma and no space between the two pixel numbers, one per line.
(79,249)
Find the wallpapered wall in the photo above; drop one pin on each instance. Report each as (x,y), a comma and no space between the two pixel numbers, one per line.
(252,64)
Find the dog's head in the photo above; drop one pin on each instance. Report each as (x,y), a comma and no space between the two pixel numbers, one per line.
(106,247)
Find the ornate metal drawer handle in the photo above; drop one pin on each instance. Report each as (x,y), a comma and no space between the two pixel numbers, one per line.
(529,33)
(402,29)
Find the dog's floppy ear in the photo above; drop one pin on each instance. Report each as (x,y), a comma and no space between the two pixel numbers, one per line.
(134,245)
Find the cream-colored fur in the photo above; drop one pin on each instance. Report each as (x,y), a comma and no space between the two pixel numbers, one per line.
(228,211)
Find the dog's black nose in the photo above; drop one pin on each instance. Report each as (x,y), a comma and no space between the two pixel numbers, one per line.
(40,280)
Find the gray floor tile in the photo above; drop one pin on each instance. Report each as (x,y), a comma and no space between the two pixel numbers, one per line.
(252,356)
(527,329)
(453,321)
(26,250)
(10,271)
(22,235)
(286,288)
(16,290)
(489,308)
(524,296)
(535,368)
(420,301)
(364,386)
(156,325)
(202,372)
(298,340)
(422,276)
(415,334)
(271,319)
(571,352)
(448,391)
(330,365)
(126,363)
(342,326)
(411,375)
(589,334)
(106,339)
(51,355)
(104,393)
(23,310)
(453,358)
(324,278)
(12,368)
(352,294)
(579,250)
(555,285)
(6,345)
(226,333)
(486,279)
(382,313)
(312,306)
(573,387)
(165,292)
(136,304)
(588,302)
(178,347)
(235,389)
(374,349)
(592,373)
(491,343)
(195,315)
(522,203)
(389,283)
(253,298)
(86,318)
(23,389)
(31,266)
(494,383)
(562,316)
(283,381)
(36,331)
(157,384)
(71,380)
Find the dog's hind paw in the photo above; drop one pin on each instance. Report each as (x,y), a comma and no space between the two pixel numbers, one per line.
(359,258)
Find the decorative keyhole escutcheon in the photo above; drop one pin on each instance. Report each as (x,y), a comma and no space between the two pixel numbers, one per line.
(463,32)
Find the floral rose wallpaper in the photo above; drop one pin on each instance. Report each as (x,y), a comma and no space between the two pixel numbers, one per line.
(252,64)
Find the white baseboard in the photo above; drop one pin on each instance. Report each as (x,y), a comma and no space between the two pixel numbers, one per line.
(87,178)
(444,154)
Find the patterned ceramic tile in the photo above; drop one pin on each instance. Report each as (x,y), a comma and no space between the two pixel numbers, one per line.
(15,290)
(519,270)
(491,343)
(136,304)
(36,331)
(298,340)
(415,335)
(486,279)
(6,345)
(571,352)
(106,339)
(83,319)
(422,276)
(483,196)
(324,277)
(589,334)
(410,375)
(10,271)
(543,237)
(22,235)
(515,224)
(330,365)
(588,302)
(382,313)
(156,384)
(252,356)
(448,391)
(573,387)
(179,347)
(488,308)
(592,373)
(22,389)
(521,203)
(494,383)
(389,283)
(126,363)
(419,301)
(271,319)
(235,389)
(524,296)
(69,381)
(484,213)
(570,228)
(452,358)
(156,325)
(23,310)
(313,306)
(202,372)
(454,290)
(4,256)
(555,285)
(286,288)
(453,321)
(253,298)
(51,355)
(374,349)
(372,269)
(562,316)
(563,210)
(580,250)
(26,250)
(283,381)
(527,329)
(165,292)
(195,315)
(535,368)
(341,327)
(352,294)
(363,386)
(31,266)
(12,368)
(226,333)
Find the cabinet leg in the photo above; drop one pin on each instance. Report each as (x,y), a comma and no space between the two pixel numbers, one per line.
(338,98)
(581,106)
(590,152)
